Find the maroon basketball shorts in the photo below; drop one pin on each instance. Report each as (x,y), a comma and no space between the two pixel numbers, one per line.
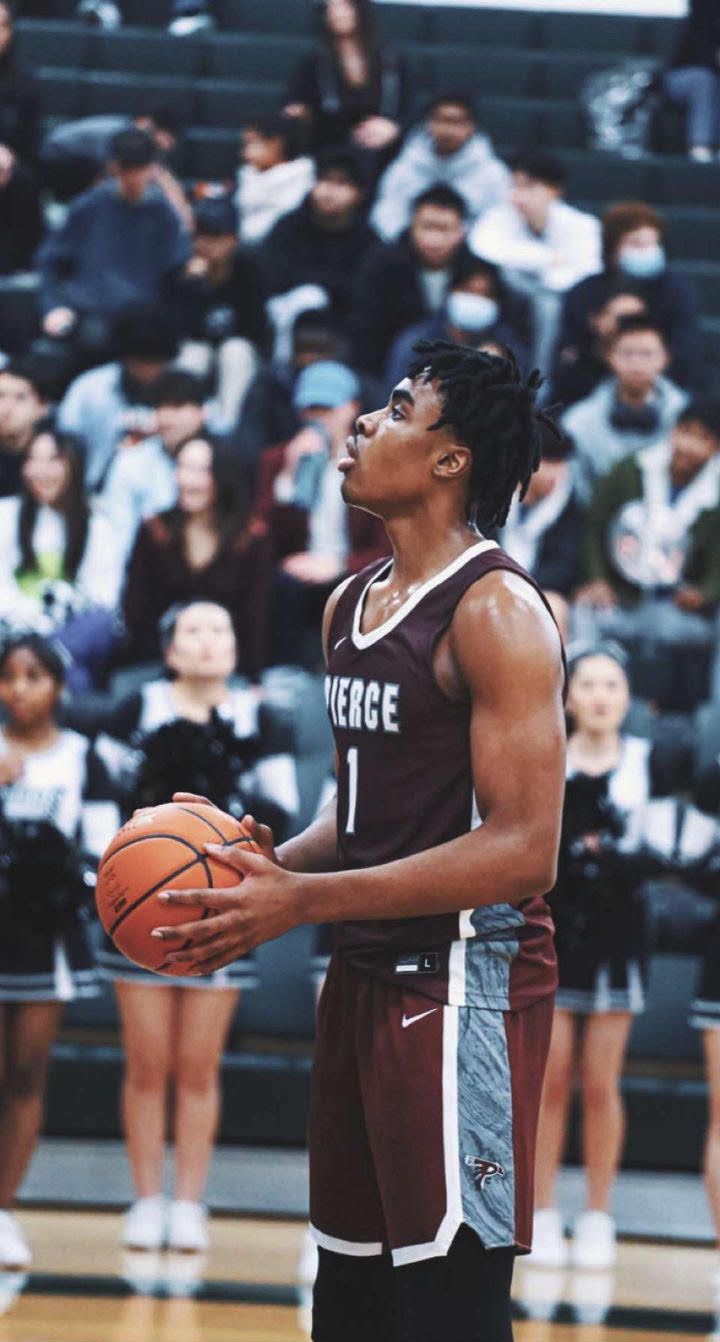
(422,1118)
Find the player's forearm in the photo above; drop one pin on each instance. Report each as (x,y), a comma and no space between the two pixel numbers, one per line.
(492,865)
(315,850)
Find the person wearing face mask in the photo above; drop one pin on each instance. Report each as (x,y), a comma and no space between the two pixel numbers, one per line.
(631,409)
(652,558)
(633,252)
(479,308)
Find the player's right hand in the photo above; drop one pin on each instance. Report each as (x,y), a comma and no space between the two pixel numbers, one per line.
(261,835)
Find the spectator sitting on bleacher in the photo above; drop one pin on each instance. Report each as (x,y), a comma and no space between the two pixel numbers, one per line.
(109,405)
(353,86)
(542,244)
(578,371)
(449,147)
(61,561)
(23,401)
(122,244)
(635,407)
(141,481)
(402,282)
(323,241)
(544,531)
(19,100)
(21,217)
(269,415)
(652,550)
(479,308)
(316,539)
(633,253)
(208,547)
(694,78)
(275,176)
(221,309)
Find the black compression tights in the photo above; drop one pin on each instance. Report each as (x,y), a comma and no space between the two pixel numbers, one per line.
(463,1297)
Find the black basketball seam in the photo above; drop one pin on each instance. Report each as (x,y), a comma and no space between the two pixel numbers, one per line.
(154,889)
(142,838)
(214,828)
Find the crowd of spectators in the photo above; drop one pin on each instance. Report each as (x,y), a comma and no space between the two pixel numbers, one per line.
(170,426)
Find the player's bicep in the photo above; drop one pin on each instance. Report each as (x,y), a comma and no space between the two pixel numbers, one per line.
(508,653)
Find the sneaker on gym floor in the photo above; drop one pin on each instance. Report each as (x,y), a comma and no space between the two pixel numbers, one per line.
(145,1223)
(14,1248)
(549,1246)
(187,1227)
(593,1241)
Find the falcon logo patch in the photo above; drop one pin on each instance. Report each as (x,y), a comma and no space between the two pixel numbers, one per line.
(482,1170)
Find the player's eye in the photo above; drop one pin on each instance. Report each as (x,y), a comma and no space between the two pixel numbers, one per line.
(396,413)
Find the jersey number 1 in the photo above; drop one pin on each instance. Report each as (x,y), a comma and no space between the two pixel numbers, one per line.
(352,764)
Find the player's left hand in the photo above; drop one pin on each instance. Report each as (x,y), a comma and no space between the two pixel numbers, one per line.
(263,905)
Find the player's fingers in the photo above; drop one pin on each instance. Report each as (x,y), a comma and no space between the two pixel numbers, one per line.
(193,797)
(200,940)
(241,859)
(207,899)
(202,929)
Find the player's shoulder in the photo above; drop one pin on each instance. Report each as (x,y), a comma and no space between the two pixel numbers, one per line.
(502,616)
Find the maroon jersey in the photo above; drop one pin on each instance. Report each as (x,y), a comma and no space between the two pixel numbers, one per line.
(405,784)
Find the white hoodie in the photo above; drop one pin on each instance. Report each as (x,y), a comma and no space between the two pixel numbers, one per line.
(262,197)
(474,172)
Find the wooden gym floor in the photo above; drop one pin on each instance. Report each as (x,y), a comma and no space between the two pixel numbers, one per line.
(84,1288)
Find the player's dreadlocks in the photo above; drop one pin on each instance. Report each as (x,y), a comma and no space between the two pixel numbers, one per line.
(492,411)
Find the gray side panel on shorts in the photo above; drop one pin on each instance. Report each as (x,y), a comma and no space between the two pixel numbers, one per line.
(485,1119)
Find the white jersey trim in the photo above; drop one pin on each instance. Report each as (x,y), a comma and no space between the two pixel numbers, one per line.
(355,1248)
(366,640)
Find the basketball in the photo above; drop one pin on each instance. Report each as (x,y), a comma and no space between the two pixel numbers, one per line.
(159,849)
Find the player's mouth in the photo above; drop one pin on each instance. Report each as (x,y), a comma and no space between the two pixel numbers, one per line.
(352,453)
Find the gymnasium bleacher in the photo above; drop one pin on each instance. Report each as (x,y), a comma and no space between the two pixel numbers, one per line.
(526,70)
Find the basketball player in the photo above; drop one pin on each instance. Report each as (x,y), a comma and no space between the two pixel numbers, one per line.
(444,688)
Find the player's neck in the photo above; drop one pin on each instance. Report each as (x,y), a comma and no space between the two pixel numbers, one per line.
(423,547)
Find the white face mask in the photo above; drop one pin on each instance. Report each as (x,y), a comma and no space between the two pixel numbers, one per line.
(471,312)
(643,263)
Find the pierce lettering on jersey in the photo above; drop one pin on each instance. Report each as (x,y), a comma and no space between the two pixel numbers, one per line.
(362,705)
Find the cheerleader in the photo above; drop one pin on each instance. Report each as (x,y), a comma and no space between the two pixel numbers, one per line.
(601,945)
(53,804)
(193,732)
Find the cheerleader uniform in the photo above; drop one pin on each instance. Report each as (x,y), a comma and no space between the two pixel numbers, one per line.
(598,910)
(67,787)
(267,787)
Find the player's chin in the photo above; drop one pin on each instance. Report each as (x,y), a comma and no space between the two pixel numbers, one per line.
(351,488)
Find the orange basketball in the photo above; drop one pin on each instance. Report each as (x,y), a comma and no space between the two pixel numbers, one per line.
(163,848)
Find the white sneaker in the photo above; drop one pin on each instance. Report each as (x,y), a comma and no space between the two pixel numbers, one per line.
(549,1246)
(187,1227)
(145,1223)
(593,1241)
(14,1248)
(308,1261)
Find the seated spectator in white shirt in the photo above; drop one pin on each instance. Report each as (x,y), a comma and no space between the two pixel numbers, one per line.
(62,565)
(633,408)
(142,478)
(275,175)
(106,404)
(448,147)
(542,244)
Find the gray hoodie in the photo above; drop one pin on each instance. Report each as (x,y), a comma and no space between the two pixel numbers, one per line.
(474,171)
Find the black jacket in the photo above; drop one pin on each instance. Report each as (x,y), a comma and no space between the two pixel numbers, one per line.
(558,564)
(234,308)
(387,298)
(336,107)
(21,221)
(299,251)
(19,109)
(671,303)
(699,36)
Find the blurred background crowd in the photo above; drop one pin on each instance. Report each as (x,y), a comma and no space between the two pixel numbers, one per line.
(207,274)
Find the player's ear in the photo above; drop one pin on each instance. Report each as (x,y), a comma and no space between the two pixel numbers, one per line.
(453,462)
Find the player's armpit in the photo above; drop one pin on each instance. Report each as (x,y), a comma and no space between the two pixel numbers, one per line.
(508,654)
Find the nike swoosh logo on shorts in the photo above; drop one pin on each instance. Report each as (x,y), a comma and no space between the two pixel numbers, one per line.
(340,640)
(410,1020)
